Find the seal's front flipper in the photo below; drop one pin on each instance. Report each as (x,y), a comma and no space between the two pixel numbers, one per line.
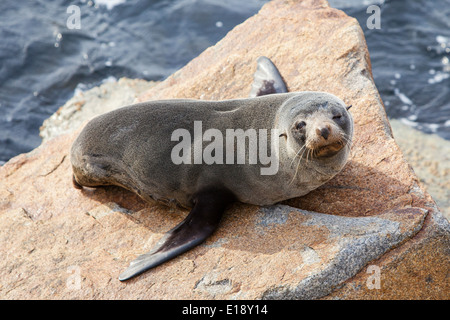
(267,79)
(201,222)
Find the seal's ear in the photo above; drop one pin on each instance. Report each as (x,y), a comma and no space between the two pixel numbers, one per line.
(283,134)
(349,107)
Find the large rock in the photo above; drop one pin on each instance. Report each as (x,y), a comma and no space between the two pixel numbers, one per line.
(371,232)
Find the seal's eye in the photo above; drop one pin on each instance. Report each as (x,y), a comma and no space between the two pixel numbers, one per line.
(337,117)
(300,125)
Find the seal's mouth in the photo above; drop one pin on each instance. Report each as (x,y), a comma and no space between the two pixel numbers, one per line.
(328,150)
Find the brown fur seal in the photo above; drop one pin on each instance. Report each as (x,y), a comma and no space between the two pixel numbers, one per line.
(205,155)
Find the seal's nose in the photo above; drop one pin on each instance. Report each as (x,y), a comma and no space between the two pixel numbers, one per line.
(324,132)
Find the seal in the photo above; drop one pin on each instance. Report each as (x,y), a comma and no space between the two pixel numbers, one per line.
(205,155)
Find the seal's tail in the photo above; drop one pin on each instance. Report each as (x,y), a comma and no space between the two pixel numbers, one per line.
(267,79)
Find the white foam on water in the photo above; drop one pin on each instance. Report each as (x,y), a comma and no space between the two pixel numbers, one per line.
(442,39)
(81,87)
(402,97)
(433,127)
(109,80)
(445,61)
(409,122)
(109,3)
(439,77)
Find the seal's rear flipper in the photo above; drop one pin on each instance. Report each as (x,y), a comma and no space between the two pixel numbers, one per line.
(267,79)
(193,230)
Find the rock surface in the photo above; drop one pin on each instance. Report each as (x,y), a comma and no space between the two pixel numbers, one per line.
(61,243)
(429,155)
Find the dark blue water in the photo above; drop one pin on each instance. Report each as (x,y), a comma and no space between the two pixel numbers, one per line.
(42,61)
(410,56)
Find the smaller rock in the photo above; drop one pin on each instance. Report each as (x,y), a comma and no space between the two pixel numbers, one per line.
(87,104)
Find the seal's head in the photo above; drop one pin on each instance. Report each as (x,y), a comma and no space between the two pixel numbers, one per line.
(315,125)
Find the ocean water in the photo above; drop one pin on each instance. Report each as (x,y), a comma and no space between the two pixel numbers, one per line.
(410,55)
(46,54)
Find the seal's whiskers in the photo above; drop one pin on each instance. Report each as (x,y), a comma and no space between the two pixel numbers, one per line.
(298,164)
(296,156)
